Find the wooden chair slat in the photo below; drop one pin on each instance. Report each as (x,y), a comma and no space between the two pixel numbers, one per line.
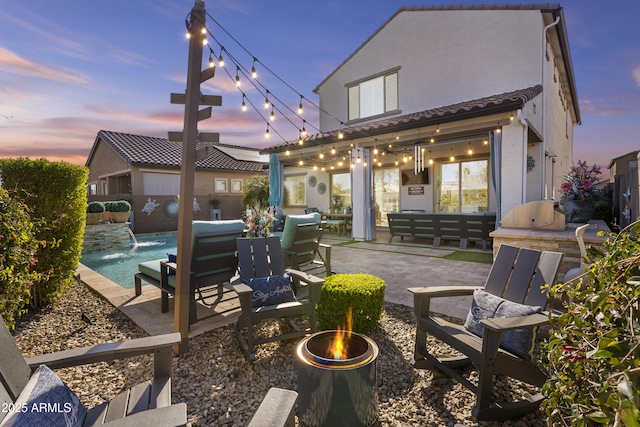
(501,269)
(546,273)
(14,371)
(521,275)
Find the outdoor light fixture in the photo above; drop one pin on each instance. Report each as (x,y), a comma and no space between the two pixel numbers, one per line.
(430,159)
(451,158)
(253,68)
(221,59)
(244,104)
(237,76)
(272,117)
(266,134)
(333,150)
(303,130)
(470,151)
(211,63)
(266,100)
(432,140)
(300,105)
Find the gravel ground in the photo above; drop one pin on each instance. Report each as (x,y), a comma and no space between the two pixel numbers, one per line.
(222,389)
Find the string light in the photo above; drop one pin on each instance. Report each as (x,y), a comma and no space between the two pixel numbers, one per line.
(315,167)
(451,157)
(333,150)
(430,159)
(498,130)
(301,162)
(253,68)
(244,104)
(340,163)
(470,151)
(266,134)
(303,131)
(237,76)
(397,163)
(266,100)
(220,58)
(485,142)
(272,117)
(300,139)
(287,152)
(300,105)
(511,118)
(432,140)
(205,41)
(438,129)
(211,63)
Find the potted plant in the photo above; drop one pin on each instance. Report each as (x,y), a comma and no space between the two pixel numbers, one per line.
(119,211)
(215,213)
(579,192)
(94,212)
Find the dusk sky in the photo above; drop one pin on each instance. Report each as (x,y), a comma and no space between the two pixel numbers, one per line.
(70,68)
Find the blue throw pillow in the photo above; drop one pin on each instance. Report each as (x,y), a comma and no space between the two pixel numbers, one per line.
(270,290)
(487,306)
(172,258)
(46,401)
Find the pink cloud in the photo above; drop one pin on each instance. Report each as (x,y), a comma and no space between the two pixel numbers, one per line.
(13,63)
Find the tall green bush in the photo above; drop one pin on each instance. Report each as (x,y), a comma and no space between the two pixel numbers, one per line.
(56,195)
(256,192)
(17,258)
(593,353)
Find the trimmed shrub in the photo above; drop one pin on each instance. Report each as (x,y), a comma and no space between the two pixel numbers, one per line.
(56,195)
(95,207)
(364,293)
(121,206)
(17,258)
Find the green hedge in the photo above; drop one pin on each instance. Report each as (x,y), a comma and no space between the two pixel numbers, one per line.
(17,258)
(364,293)
(56,195)
(96,207)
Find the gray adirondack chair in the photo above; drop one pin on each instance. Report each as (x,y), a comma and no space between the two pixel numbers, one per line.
(262,257)
(516,275)
(146,404)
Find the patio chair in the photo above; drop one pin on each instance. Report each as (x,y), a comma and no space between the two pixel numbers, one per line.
(262,272)
(499,334)
(213,264)
(24,382)
(573,274)
(302,247)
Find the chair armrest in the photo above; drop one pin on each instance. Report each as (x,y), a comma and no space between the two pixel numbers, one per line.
(324,245)
(444,291)
(168,416)
(104,352)
(305,277)
(504,324)
(276,409)
(242,288)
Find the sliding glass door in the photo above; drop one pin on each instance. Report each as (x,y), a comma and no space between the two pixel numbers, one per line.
(463,187)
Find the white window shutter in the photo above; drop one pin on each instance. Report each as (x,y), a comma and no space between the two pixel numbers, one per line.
(372,97)
(354,102)
(391,92)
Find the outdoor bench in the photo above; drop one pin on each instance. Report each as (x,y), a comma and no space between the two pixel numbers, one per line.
(439,226)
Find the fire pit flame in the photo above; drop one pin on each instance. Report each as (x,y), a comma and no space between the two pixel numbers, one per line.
(339,348)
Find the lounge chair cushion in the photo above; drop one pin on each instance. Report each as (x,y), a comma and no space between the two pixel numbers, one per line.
(270,290)
(210,227)
(292,222)
(486,306)
(46,401)
(152,269)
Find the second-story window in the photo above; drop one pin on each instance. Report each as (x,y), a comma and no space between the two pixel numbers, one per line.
(373,96)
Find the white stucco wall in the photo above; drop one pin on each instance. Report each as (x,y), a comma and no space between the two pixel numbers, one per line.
(445,57)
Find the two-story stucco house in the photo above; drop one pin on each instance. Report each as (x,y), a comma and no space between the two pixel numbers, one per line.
(442,109)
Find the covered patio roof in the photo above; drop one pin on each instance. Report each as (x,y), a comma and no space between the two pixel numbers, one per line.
(398,133)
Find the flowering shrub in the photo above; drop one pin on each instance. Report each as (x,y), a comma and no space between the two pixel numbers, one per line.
(581,181)
(593,351)
(259,222)
(17,258)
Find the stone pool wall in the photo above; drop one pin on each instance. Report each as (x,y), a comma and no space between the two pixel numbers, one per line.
(106,237)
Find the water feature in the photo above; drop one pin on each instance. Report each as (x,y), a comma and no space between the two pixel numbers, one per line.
(120,266)
(133,237)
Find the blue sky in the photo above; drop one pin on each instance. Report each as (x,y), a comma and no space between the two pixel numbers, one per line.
(71,68)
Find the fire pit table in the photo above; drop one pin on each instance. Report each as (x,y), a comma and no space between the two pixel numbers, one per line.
(337,379)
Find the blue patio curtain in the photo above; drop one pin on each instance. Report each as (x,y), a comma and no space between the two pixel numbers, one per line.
(370,214)
(276,177)
(495,152)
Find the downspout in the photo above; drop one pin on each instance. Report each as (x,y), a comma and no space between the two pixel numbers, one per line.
(525,141)
(543,174)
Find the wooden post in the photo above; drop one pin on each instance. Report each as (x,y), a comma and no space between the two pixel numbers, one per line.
(187,172)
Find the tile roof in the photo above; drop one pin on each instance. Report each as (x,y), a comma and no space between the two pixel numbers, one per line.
(147,150)
(503,102)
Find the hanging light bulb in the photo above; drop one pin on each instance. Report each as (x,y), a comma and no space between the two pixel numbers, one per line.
(204,30)
(266,134)
(253,68)
(300,105)
(364,164)
(301,162)
(322,168)
(266,100)
(430,159)
(340,134)
(498,130)
(221,59)
(438,129)
(272,116)
(331,166)
(300,139)
(340,163)
(287,152)
(303,130)
(397,163)
(211,63)
(485,142)
(397,136)
(404,159)
(315,167)
(470,151)
(375,150)
(244,104)
(333,150)
(511,118)
(451,157)
(390,145)
(321,155)
(237,77)
(432,140)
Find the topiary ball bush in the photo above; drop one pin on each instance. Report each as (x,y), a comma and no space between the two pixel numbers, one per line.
(121,206)
(95,207)
(364,293)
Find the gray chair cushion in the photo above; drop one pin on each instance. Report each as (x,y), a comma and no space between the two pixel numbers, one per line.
(46,401)
(292,222)
(487,306)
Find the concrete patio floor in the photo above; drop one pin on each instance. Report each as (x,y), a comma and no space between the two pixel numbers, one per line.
(401,264)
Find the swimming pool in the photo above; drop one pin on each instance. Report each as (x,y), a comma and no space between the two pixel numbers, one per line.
(120,267)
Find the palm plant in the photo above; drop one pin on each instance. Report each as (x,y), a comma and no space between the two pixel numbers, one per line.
(256,192)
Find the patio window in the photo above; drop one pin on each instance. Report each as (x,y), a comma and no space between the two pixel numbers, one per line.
(463,186)
(374,96)
(295,190)
(341,189)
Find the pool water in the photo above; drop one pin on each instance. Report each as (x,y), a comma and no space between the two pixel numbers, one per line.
(120,267)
